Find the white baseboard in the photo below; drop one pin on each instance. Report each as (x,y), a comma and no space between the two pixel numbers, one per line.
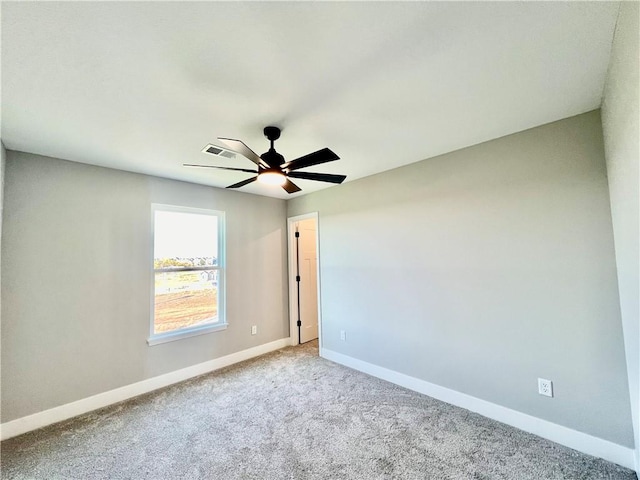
(69,410)
(557,433)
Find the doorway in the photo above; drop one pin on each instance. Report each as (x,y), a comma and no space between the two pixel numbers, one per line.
(304,284)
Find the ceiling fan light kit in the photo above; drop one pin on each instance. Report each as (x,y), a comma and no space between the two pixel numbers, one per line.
(272,167)
(272,177)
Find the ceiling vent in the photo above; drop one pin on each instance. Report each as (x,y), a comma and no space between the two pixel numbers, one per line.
(218,151)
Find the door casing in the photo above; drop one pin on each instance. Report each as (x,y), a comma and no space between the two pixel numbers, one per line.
(293,304)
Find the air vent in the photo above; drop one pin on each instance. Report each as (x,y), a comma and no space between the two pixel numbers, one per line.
(218,151)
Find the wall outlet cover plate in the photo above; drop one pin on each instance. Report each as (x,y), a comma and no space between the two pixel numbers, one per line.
(545,387)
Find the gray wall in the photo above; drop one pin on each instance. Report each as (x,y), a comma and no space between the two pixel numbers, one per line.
(620,113)
(3,161)
(76,281)
(482,270)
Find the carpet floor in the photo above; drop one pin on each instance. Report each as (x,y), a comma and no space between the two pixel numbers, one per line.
(290,415)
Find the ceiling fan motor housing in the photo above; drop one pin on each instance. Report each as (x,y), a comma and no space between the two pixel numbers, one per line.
(273,158)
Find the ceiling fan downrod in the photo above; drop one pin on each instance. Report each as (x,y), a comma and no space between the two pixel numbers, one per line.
(272,158)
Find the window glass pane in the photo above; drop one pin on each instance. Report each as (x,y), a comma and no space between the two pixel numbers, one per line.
(185,299)
(185,239)
(188,270)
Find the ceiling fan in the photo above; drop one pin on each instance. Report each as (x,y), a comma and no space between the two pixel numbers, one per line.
(272,167)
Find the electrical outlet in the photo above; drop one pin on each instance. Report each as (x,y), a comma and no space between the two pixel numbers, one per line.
(254,329)
(545,387)
(343,335)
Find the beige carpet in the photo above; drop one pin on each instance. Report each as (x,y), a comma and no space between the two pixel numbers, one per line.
(291,415)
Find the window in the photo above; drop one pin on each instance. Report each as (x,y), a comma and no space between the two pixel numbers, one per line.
(188,273)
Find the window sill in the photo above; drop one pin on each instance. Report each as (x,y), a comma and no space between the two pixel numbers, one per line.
(179,335)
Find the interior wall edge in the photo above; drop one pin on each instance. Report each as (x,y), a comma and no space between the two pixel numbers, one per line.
(620,113)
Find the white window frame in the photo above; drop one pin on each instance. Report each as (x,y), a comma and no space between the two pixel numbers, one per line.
(221,324)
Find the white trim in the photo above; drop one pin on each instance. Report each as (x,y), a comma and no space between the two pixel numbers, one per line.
(557,433)
(185,333)
(293,307)
(69,410)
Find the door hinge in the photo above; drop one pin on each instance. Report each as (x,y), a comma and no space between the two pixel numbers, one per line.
(297,234)
(297,278)
(299,323)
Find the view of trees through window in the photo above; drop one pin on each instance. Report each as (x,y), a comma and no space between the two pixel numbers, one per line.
(186,270)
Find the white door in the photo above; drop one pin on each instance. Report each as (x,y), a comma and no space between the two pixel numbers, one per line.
(307,257)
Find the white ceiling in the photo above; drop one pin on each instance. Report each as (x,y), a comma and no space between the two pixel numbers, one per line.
(145,86)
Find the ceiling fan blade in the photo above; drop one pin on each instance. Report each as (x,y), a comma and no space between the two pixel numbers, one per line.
(321,156)
(241,148)
(221,168)
(319,177)
(244,182)
(291,187)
